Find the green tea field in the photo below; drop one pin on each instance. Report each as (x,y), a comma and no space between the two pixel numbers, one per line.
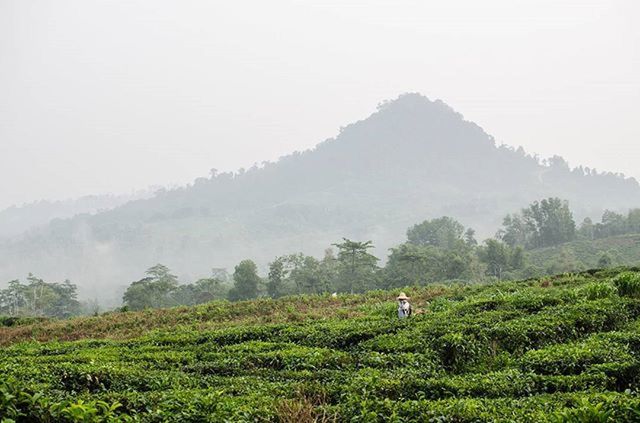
(557,349)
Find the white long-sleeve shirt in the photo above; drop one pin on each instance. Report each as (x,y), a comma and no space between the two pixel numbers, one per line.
(404,309)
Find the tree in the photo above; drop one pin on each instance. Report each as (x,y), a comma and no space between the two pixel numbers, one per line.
(517,258)
(154,290)
(39,298)
(38,295)
(495,255)
(612,224)
(246,281)
(550,221)
(411,264)
(307,276)
(275,279)
(436,250)
(13,299)
(160,288)
(211,288)
(443,232)
(201,291)
(587,229)
(162,276)
(633,221)
(356,267)
(544,223)
(65,303)
(470,237)
(514,231)
(300,274)
(139,295)
(329,267)
(500,258)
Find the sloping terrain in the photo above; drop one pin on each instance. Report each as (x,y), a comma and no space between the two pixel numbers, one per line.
(564,348)
(411,160)
(17,220)
(623,250)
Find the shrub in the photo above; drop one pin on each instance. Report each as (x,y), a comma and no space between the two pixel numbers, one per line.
(597,290)
(574,358)
(457,350)
(510,351)
(628,284)
(584,413)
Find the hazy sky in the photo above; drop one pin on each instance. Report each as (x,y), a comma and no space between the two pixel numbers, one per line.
(110,96)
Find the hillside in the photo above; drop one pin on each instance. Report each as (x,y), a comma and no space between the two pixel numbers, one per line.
(412,159)
(17,220)
(563,348)
(624,250)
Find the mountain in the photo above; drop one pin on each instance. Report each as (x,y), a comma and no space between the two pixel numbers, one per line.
(412,159)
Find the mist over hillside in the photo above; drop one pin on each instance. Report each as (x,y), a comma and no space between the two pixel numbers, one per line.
(16,220)
(413,159)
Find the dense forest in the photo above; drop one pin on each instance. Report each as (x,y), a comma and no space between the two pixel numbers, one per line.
(413,159)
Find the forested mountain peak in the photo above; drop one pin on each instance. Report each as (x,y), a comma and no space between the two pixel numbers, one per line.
(410,160)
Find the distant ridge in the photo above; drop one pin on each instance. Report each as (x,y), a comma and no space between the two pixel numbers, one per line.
(410,160)
(16,220)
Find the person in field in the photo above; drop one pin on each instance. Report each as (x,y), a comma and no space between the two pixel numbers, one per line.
(404,308)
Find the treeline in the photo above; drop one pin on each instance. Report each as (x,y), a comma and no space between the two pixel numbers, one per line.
(440,249)
(160,288)
(435,250)
(39,298)
(611,224)
(550,222)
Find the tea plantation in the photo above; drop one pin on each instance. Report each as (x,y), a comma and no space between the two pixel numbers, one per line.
(560,349)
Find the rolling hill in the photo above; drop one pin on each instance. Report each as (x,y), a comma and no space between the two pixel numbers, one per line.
(410,160)
(623,250)
(556,349)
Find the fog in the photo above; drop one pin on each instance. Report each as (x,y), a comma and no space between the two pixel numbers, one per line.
(112,96)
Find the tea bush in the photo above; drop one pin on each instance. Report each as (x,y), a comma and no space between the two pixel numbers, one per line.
(628,284)
(563,349)
(597,290)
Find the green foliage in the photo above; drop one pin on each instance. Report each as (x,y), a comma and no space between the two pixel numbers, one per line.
(356,266)
(20,404)
(275,279)
(299,274)
(160,288)
(575,358)
(411,264)
(152,291)
(39,298)
(586,412)
(559,349)
(500,258)
(597,290)
(542,224)
(628,284)
(457,350)
(246,281)
(443,232)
